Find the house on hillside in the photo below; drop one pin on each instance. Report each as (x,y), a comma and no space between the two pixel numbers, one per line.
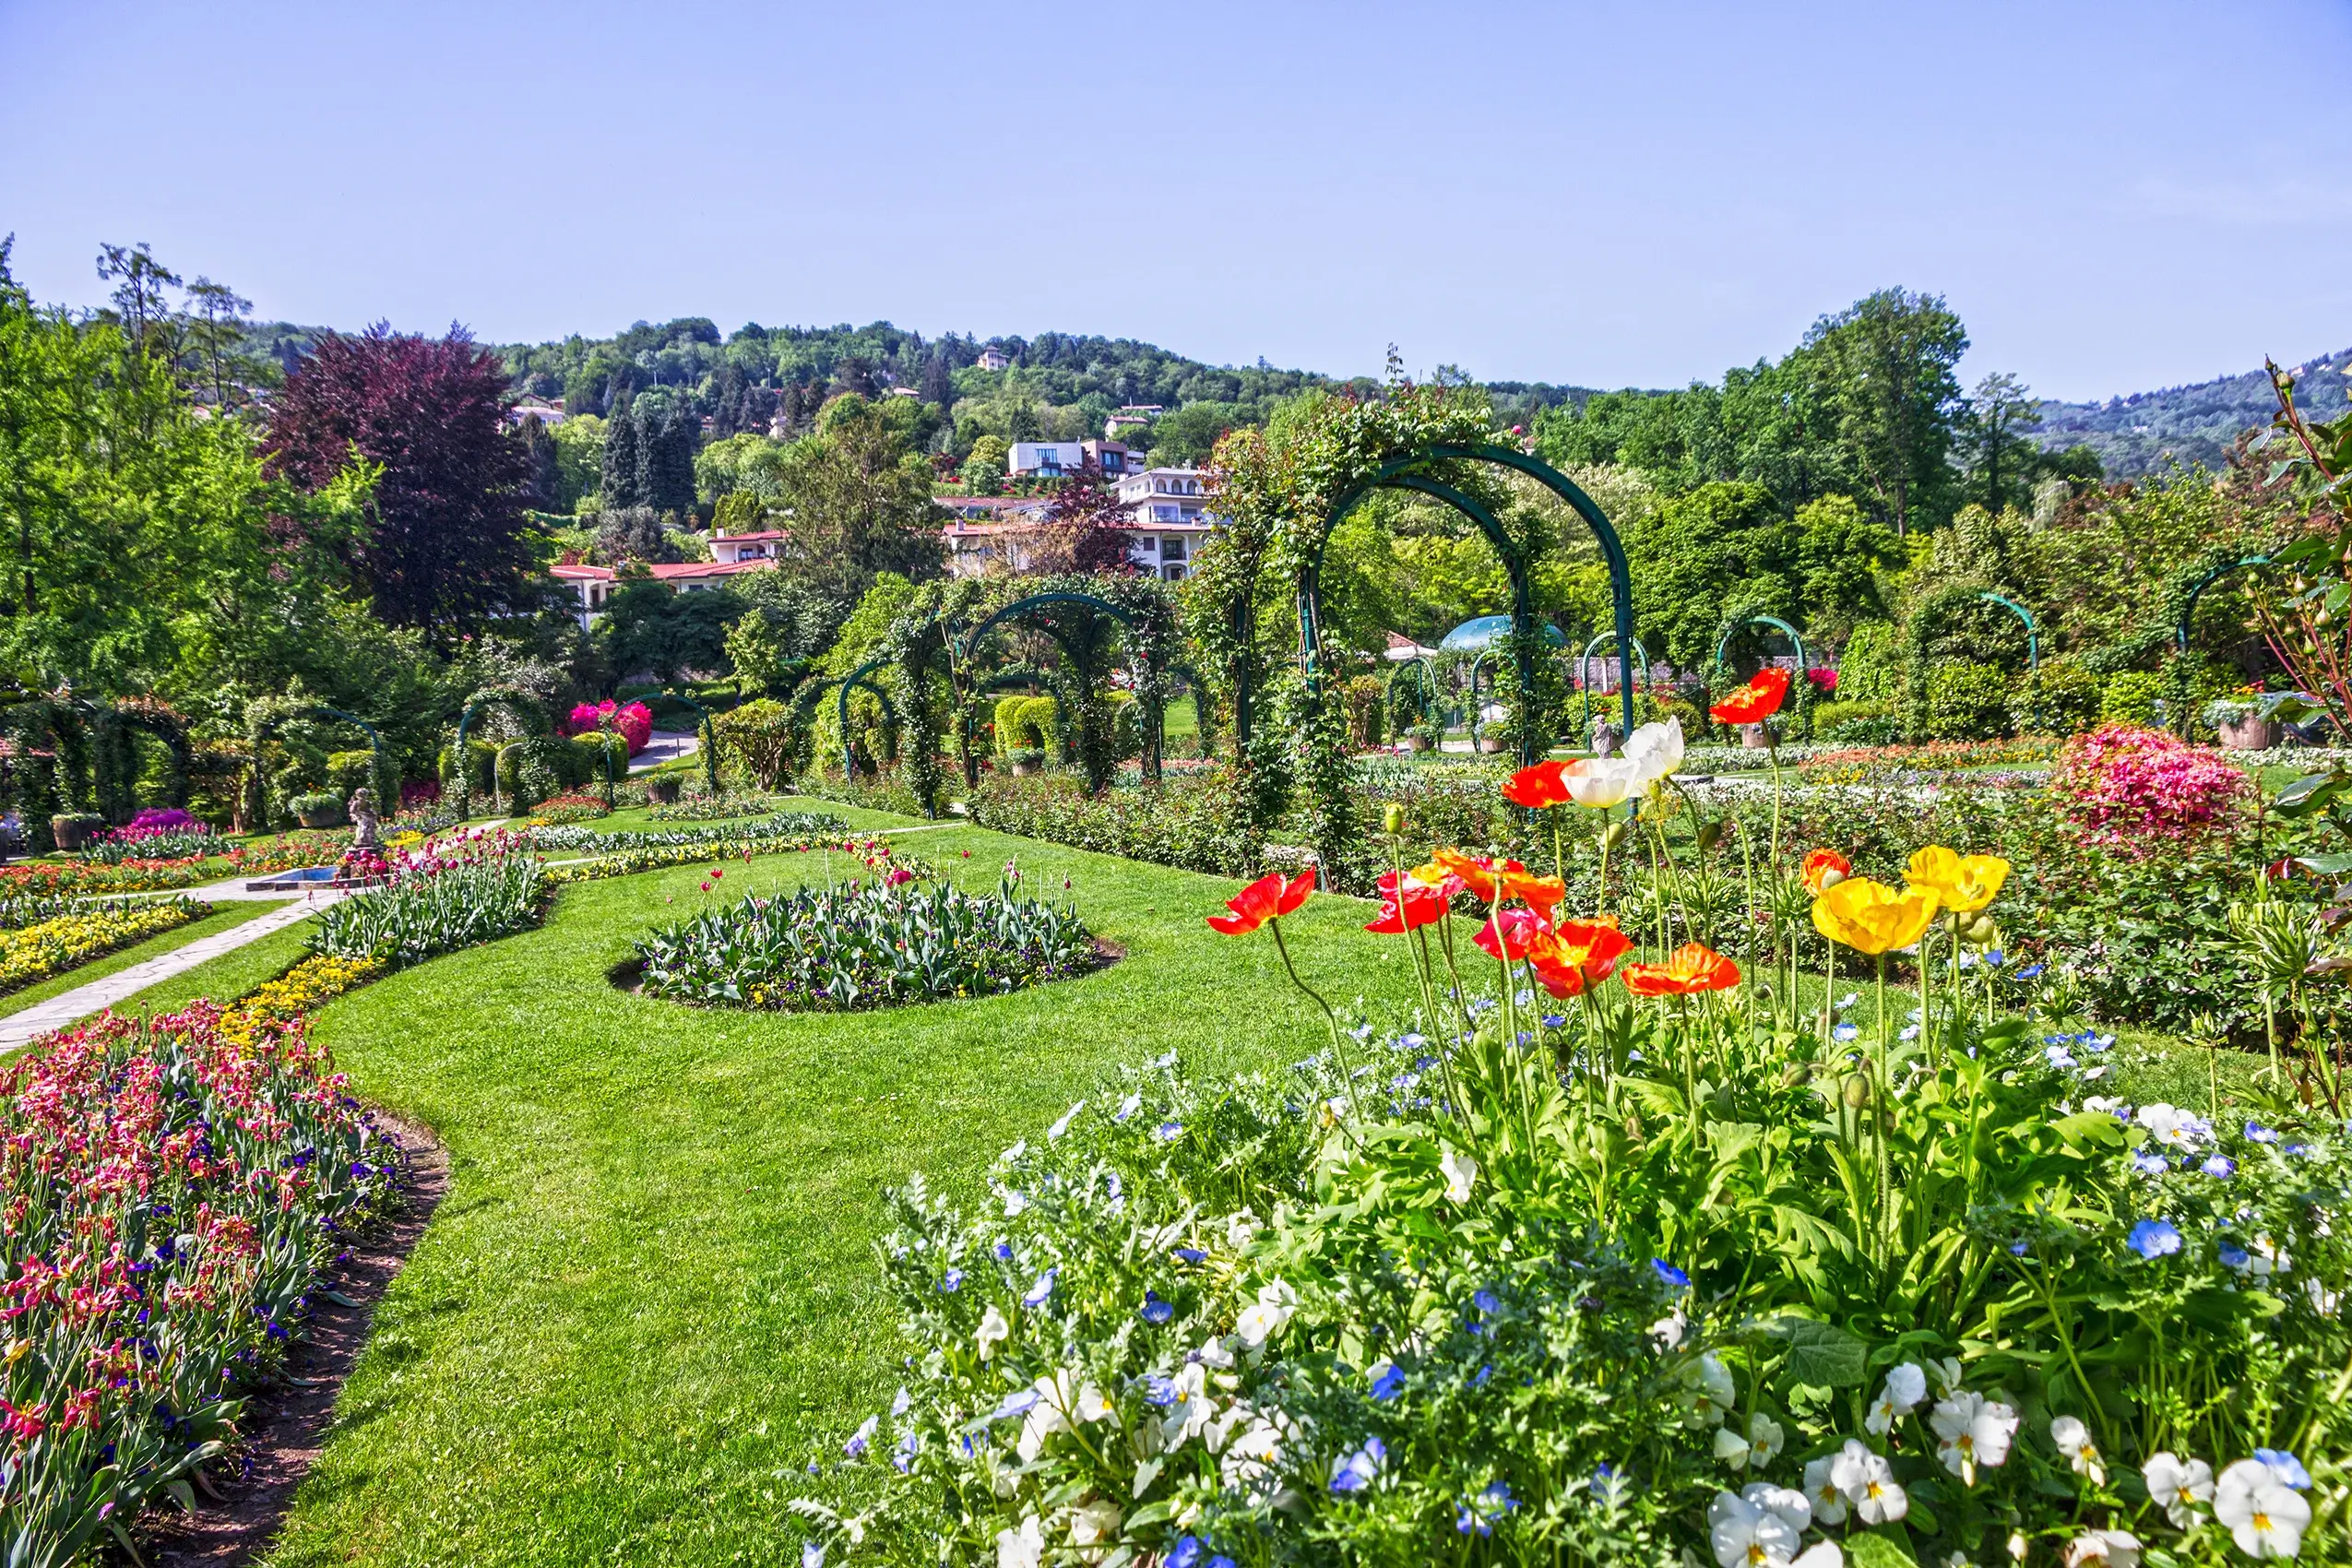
(993,358)
(1166,524)
(549,410)
(595,585)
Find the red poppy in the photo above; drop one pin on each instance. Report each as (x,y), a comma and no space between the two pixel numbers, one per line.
(1755,702)
(1420,905)
(1537,787)
(1270,898)
(1820,867)
(1578,954)
(1693,966)
(1508,933)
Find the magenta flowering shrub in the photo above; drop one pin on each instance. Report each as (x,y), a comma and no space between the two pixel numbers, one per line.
(633,721)
(169,1196)
(161,819)
(2135,790)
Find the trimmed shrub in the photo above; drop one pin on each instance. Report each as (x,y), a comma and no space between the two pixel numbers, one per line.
(1870,668)
(2135,696)
(1859,723)
(2138,790)
(756,744)
(1033,723)
(1966,701)
(347,771)
(2060,698)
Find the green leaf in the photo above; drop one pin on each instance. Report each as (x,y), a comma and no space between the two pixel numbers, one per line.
(1824,1354)
(2326,865)
(1868,1551)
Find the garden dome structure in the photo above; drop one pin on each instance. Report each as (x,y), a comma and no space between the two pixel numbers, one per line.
(1480,632)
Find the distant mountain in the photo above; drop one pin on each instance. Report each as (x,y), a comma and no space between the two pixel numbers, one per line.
(2142,433)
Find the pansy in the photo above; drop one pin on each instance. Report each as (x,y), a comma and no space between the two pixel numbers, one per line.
(1387,1381)
(2264,1516)
(2074,1441)
(2181,1486)
(1360,1469)
(1972,1431)
(1866,1481)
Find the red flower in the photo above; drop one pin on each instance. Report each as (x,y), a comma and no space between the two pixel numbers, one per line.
(1510,933)
(1755,702)
(1270,898)
(1578,954)
(1420,905)
(1693,966)
(1818,866)
(1537,787)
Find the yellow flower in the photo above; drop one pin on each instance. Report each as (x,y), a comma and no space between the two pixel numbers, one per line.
(1872,918)
(1963,883)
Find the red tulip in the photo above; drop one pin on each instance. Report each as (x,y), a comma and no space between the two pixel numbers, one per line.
(1270,898)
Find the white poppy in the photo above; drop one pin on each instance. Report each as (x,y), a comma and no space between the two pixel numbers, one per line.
(1868,1482)
(1024,1548)
(1971,1431)
(993,1331)
(2179,1484)
(2267,1517)
(1600,782)
(1655,751)
(1460,1171)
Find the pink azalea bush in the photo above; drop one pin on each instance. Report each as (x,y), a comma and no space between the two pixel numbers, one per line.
(633,721)
(169,1194)
(158,820)
(2135,790)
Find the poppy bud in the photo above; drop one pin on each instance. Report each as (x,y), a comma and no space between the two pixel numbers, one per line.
(1392,819)
(1710,836)
(1615,836)
(1857,1091)
(1981,930)
(1831,877)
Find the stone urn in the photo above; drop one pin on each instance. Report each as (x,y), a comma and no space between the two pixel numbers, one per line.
(73,832)
(2252,733)
(1414,743)
(1489,743)
(327,816)
(662,791)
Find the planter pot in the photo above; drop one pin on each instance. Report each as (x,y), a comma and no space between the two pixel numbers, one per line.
(71,832)
(326,816)
(1417,742)
(1026,769)
(1491,745)
(662,791)
(2252,734)
(1752,736)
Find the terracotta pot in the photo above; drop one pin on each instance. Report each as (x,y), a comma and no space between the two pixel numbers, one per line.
(2252,734)
(71,832)
(1417,742)
(1491,745)
(325,816)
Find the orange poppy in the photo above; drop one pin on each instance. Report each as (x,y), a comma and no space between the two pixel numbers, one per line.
(1824,869)
(1483,877)
(1270,898)
(1539,892)
(1755,702)
(1537,787)
(1576,954)
(1693,966)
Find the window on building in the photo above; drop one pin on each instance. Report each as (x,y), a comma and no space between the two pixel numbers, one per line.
(1172,549)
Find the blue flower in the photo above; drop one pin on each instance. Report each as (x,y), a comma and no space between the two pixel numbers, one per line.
(1526,1040)
(1465,1520)
(1995,957)
(2294,1150)
(2285,1467)
(2149,1164)
(1017,1402)
(1160,1391)
(1671,1275)
(1555,1020)
(1005,1252)
(1191,1255)
(1910,1031)
(2258,1133)
(2031,971)
(952,1281)
(1185,1553)
(2154,1239)
(812,1554)
(1358,1470)
(1157,1311)
(2233,1257)
(1042,1292)
(1169,1132)
(1219,1562)
(2059,1056)
(2219,1166)
(1845,1032)
(1486,1301)
(1389,1383)
(2016,1249)
(905,1457)
(1484,1373)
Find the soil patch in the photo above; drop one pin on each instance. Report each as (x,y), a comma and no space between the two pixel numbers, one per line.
(240,1506)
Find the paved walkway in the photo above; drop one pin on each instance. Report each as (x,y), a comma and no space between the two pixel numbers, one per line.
(68,1007)
(667,745)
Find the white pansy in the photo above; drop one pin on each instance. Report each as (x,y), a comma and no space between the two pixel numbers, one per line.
(1043,1422)
(1249,1456)
(1820,1554)
(1823,1491)
(1092,1406)
(1240,1230)
(1063,1125)
(1745,1536)
(1972,1432)
(1708,1391)
(2103,1549)
(993,1331)
(2074,1440)
(1024,1548)
(1794,1508)
(1460,1171)
(2264,1516)
(1766,1440)
(2180,1485)
(2170,1127)
(1216,1352)
(1669,1330)
(1094,1522)
(1867,1481)
(1948,1375)
(1731,1448)
(1264,1318)
(1189,1412)
(1905,1386)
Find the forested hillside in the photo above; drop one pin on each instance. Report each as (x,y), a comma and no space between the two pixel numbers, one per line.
(2138,434)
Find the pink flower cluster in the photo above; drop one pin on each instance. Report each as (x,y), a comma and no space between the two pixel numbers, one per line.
(633,721)
(156,821)
(168,1194)
(2135,790)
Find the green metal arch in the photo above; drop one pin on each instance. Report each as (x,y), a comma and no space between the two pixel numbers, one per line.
(1624,676)
(2188,605)
(1400,472)
(1785,630)
(2033,629)
(1156,719)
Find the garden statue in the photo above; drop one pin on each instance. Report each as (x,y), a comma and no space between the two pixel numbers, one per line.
(364,833)
(1604,736)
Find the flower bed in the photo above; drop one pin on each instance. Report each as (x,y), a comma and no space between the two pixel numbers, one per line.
(1190,822)
(1856,764)
(718,808)
(33,952)
(559,809)
(628,862)
(1621,1257)
(301,990)
(720,838)
(439,896)
(289,851)
(68,879)
(172,1198)
(863,945)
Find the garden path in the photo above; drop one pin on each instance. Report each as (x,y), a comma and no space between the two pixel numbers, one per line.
(64,1009)
(667,745)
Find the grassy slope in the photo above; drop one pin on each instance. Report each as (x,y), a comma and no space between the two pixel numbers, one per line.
(650,1290)
(223,917)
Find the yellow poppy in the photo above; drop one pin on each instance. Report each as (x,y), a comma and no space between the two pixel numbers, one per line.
(1965,883)
(1872,918)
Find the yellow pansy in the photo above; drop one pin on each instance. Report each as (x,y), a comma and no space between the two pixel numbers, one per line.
(1872,918)
(1965,883)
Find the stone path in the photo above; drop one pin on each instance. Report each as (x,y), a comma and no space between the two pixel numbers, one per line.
(667,745)
(67,1007)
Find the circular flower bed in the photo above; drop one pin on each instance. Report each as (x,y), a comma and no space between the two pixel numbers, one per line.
(865,945)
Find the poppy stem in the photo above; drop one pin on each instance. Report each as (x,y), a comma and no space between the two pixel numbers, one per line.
(1339,1051)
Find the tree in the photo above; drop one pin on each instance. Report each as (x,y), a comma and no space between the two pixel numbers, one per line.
(647,628)
(619,462)
(859,503)
(984,466)
(667,463)
(634,533)
(447,546)
(1083,530)
(938,386)
(2001,463)
(1887,362)
(542,466)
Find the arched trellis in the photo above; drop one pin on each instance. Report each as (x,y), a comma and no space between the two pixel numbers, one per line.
(1148,692)
(514,702)
(2197,592)
(862,676)
(1584,679)
(1723,643)
(1406,472)
(2032,629)
(1416,667)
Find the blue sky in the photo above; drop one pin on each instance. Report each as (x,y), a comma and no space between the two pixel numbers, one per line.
(2114,197)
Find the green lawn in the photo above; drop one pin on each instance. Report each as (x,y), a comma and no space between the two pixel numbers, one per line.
(649,1294)
(224,916)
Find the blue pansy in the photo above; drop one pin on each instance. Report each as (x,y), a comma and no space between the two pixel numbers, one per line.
(1389,1383)
(1487,1301)
(953,1280)
(1185,1553)
(2285,1467)
(2219,1165)
(2258,1133)
(2148,1163)
(1160,1391)
(1005,1252)
(1017,1402)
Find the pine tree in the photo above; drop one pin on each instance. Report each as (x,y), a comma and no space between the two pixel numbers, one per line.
(666,465)
(937,386)
(623,440)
